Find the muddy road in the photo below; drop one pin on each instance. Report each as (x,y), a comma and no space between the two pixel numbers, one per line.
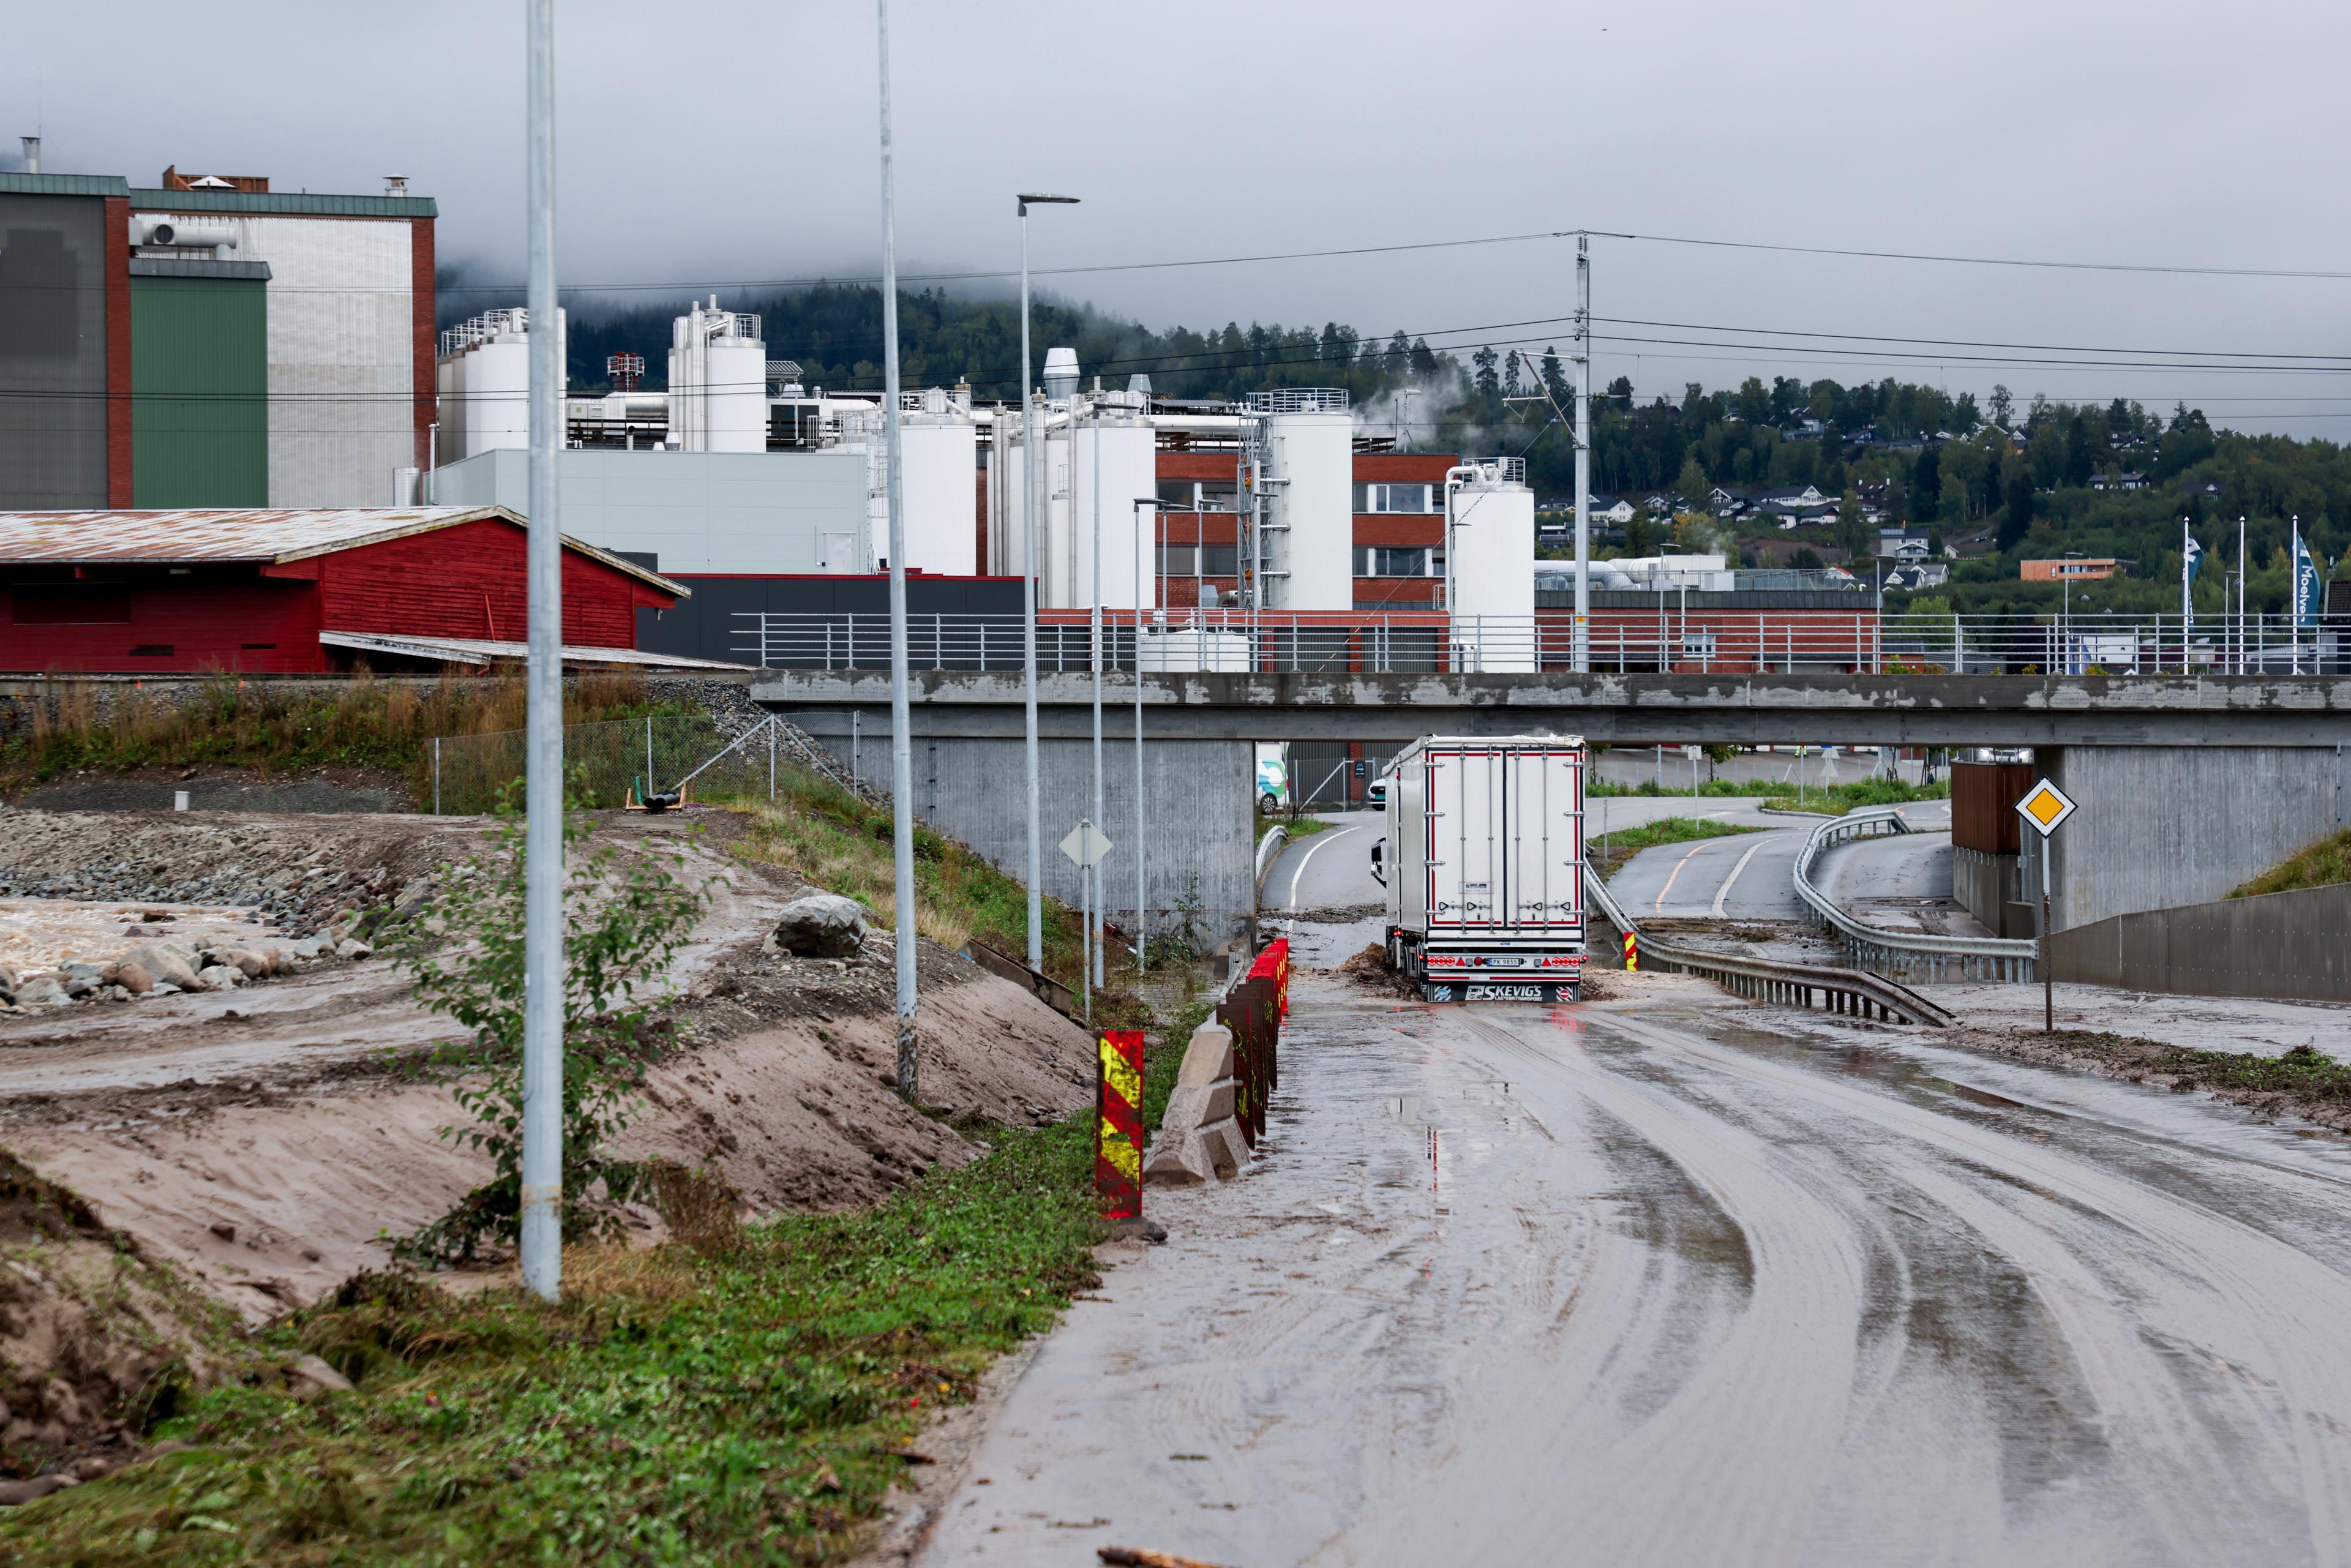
(1669,1279)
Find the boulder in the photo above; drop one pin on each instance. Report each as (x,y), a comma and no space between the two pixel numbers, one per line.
(80,980)
(312,1370)
(9,979)
(163,965)
(253,965)
(43,992)
(219,977)
(352,947)
(311,947)
(822,926)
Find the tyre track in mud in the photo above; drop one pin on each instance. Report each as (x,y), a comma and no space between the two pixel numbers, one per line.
(1669,1282)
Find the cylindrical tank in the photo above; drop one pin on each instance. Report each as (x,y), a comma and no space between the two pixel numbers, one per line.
(1490,568)
(1114,446)
(717,382)
(937,469)
(1309,541)
(494,390)
(1195,648)
(1061,375)
(1053,554)
(737,394)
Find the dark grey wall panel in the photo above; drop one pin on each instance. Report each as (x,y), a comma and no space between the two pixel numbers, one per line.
(52,352)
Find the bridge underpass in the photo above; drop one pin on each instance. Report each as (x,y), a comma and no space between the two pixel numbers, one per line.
(2188,785)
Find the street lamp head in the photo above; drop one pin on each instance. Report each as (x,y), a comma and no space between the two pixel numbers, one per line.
(1028,196)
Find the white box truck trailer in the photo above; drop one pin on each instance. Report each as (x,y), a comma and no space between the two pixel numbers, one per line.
(1483,863)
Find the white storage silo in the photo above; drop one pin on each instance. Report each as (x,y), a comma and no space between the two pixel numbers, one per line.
(938,474)
(1310,535)
(485,383)
(1053,562)
(1490,567)
(1116,460)
(717,382)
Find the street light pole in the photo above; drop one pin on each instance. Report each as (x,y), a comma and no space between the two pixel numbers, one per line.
(901,760)
(1141,815)
(1032,437)
(1580,647)
(1093,874)
(541,1216)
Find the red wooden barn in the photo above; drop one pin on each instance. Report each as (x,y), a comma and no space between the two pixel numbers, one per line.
(300,591)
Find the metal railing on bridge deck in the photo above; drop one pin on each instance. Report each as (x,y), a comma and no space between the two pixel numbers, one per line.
(1692,642)
(1915,954)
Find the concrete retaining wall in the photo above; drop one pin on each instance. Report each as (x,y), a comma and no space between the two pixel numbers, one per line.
(2160,827)
(1202,833)
(1988,887)
(2275,945)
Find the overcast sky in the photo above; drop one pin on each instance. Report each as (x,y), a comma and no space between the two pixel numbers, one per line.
(710,142)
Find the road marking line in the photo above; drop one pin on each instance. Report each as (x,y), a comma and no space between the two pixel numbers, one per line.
(1659,906)
(1297,875)
(1724,891)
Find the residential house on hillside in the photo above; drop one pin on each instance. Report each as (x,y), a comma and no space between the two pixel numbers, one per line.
(1903,544)
(2118,482)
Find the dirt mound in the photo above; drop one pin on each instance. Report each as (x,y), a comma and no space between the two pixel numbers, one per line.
(95,1343)
(1369,970)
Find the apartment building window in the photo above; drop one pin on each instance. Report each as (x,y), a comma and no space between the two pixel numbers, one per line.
(1417,498)
(1381,560)
(1215,560)
(1197,495)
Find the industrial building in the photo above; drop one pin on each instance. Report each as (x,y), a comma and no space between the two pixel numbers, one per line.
(739,475)
(294,592)
(208,341)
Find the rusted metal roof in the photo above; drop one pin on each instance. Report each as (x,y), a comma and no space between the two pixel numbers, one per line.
(245,534)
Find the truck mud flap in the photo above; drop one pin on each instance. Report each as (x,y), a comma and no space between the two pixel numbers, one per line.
(1500,991)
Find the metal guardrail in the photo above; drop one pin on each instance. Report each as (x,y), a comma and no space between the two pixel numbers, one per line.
(1672,634)
(1911,954)
(1267,848)
(1853,993)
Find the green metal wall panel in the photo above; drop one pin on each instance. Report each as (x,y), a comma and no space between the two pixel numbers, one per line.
(199,392)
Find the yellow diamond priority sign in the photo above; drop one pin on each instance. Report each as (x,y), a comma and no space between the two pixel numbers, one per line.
(2045,806)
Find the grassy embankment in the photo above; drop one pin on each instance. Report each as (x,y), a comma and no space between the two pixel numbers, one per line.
(2326,862)
(259,725)
(748,1400)
(1609,852)
(1299,826)
(1831,799)
(845,845)
(746,1403)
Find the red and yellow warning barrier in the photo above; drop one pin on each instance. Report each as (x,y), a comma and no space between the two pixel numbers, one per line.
(1118,1123)
(1632,950)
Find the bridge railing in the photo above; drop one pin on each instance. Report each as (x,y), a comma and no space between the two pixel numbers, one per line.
(1912,955)
(1621,641)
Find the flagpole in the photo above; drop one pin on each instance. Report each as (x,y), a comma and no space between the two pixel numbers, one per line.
(2293,592)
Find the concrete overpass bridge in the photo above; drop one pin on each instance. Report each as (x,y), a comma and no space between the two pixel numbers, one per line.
(2187,784)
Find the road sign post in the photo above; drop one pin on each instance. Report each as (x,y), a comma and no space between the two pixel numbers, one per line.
(1118,1123)
(1085,846)
(2044,807)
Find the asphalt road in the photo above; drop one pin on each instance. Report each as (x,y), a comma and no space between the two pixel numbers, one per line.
(1673,1280)
(1903,880)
